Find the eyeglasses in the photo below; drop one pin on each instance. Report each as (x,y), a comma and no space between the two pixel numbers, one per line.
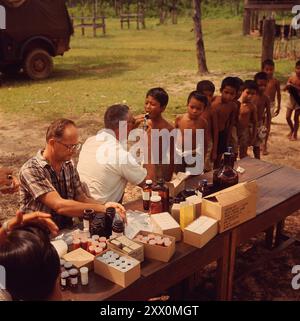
(71,147)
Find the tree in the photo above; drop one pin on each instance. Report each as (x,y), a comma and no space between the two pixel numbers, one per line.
(197,17)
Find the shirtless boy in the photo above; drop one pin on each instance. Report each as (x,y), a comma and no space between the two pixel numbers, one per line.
(262,103)
(207,88)
(273,92)
(247,118)
(193,120)
(293,87)
(226,111)
(155,104)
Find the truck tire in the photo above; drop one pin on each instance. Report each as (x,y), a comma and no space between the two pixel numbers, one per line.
(38,64)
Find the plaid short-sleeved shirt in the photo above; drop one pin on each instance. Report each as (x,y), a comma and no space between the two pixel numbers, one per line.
(37,177)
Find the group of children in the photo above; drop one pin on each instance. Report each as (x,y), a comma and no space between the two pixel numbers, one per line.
(239,117)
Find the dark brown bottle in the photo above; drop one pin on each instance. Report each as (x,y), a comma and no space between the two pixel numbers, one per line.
(162,190)
(226,176)
(117,226)
(147,189)
(204,188)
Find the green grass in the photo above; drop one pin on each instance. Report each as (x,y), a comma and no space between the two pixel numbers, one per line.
(123,65)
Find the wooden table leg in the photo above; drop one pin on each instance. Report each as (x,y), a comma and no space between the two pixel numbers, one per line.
(232,256)
(279,230)
(222,270)
(270,237)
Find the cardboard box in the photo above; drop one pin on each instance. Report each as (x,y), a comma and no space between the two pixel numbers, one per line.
(80,258)
(232,206)
(187,214)
(201,231)
(123,279)
(177,184)
(158,252)
(164,223)
(175,212)
(135,250)
(197,202)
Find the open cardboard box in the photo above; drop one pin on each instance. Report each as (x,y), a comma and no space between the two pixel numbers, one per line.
(137,249)
(232,206)
(177,184)
(80,258)
(123,279)
(158,252)
(164,223)
(201,231)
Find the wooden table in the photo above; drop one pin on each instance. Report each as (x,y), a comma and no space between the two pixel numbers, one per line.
(276,201)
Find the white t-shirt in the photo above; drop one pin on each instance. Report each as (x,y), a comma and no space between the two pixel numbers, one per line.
(106,167)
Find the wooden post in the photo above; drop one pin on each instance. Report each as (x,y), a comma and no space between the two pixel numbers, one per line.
(201,58)
(268,39)
(247,22)
(94,27)
(103,25)
(174,12)
(82,24)
(162,12)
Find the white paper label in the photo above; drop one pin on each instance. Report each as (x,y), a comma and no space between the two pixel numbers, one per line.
(86,225)
(146,196)
(63,282)
(74,281)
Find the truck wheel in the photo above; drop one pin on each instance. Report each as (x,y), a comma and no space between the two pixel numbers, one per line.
(38,64)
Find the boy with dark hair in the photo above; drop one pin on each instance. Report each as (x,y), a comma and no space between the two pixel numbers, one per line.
(234,141)
(193,120)
(273,92)
(262,103)
(155,104)
(207,88)
(293,87)
(226,109)
(247,118)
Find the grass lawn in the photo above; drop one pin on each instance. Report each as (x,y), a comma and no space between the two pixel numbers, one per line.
(124,64)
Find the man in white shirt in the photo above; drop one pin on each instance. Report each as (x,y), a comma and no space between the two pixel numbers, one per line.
(105,165)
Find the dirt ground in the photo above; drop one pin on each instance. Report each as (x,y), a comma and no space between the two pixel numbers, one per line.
(20,138)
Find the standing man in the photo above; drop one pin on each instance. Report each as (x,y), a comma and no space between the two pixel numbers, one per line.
(51,184)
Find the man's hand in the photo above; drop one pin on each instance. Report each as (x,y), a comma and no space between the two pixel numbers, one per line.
(23,219)
(119,208)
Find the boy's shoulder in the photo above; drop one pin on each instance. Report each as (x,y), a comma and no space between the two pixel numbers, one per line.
(166,124)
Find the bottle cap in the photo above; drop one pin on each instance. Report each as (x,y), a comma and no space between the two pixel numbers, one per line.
(64,275)
(84,270)
(68,265)
(149,181)
(73,272)
(155,198)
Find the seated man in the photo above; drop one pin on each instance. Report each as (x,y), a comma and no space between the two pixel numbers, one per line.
(50,183)
(104,164)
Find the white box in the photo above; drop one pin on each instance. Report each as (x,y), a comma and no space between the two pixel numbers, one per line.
(201,231)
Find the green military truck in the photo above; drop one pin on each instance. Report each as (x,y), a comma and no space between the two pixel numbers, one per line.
(36,31)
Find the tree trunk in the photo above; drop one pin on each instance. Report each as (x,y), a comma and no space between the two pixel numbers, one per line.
(268,39)
(202,66)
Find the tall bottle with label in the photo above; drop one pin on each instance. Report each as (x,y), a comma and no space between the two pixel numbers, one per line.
(146,193)
(162,190)
(118,226)
(226,176)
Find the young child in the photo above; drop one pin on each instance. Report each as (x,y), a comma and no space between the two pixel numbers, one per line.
(247,118)
(293,87)
(262,103)
(273,92)
(207,88)
(233,140)
(155,104)
(193,120)
(226,110)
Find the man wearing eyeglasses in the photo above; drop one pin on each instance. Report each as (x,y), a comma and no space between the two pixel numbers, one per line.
(50,183)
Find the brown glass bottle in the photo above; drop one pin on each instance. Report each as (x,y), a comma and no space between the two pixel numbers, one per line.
(147,189)
(204,188)
(226,176)
(163,191)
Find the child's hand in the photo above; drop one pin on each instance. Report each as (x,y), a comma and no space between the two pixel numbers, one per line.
(139,119)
